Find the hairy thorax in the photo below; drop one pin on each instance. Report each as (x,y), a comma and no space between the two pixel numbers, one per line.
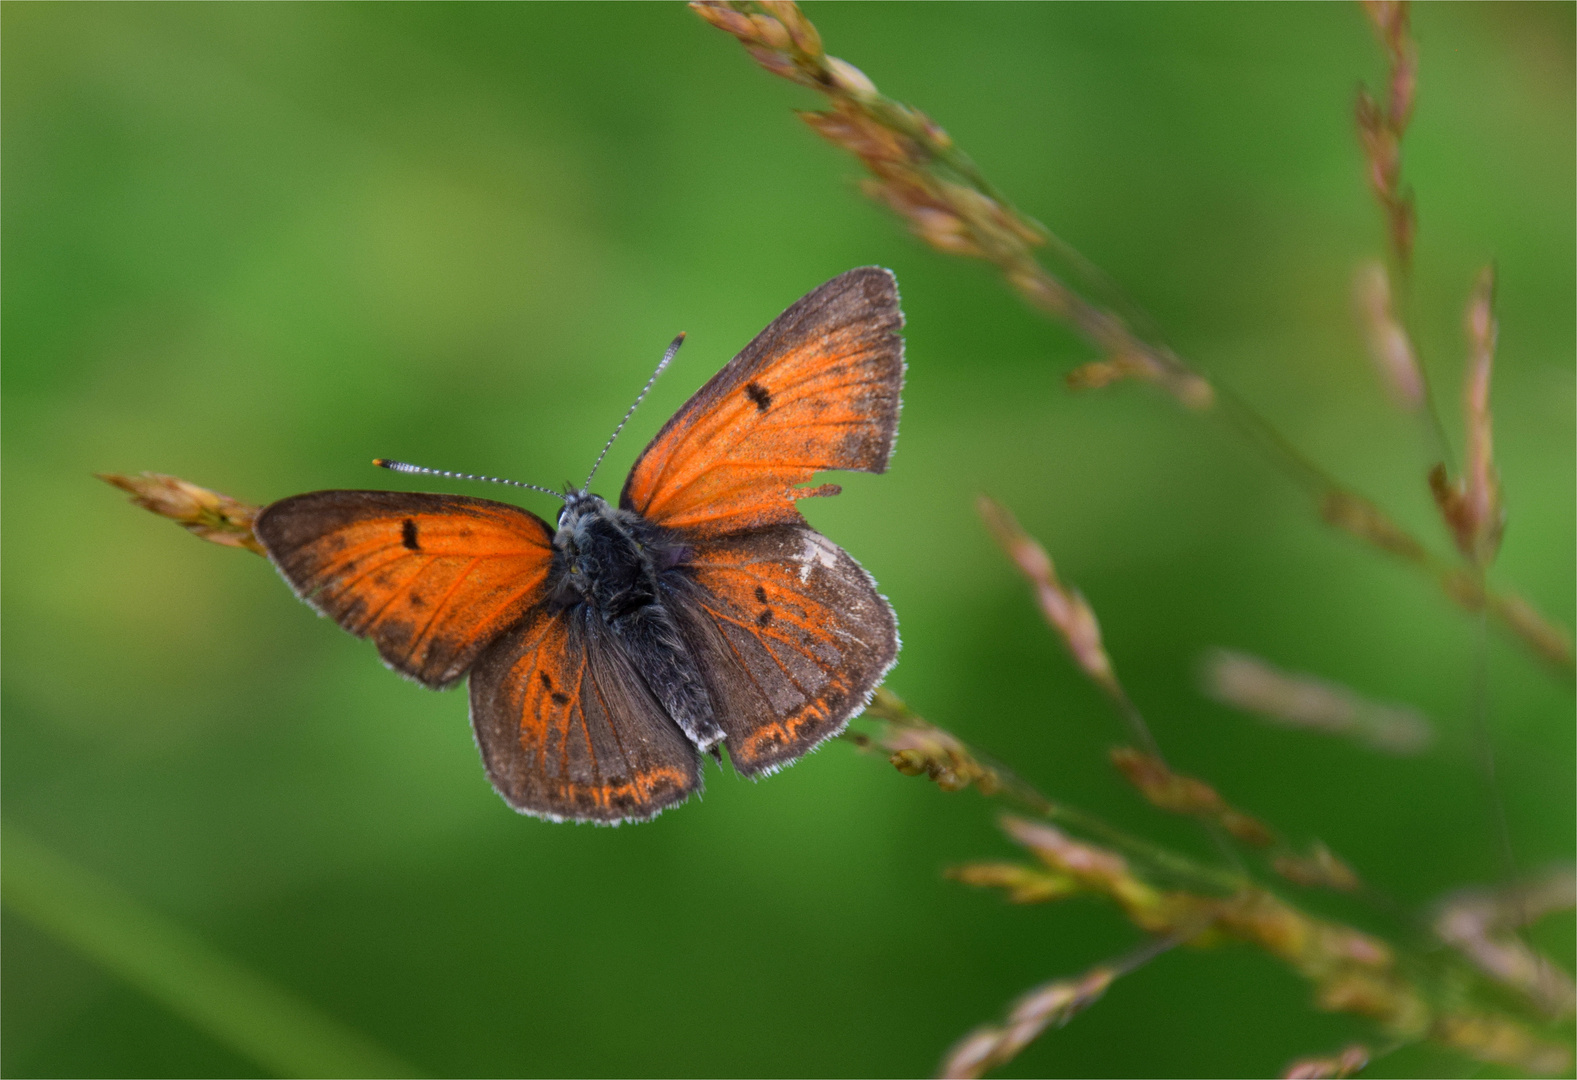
(609,558)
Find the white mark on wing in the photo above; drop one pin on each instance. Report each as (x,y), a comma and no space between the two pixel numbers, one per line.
(817,551)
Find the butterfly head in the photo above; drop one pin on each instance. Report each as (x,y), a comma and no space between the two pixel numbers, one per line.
(579,503)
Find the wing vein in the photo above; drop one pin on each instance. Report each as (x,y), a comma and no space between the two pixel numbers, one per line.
(438,608)
(404,588)
(808,694)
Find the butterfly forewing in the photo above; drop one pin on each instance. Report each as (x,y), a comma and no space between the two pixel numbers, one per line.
(817,389)
(432,579)
(791,636)
(568,729)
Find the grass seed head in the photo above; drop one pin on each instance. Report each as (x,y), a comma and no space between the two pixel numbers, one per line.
(214,517)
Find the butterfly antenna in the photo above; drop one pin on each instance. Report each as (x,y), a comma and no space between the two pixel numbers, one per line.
(667,356)
(407,467)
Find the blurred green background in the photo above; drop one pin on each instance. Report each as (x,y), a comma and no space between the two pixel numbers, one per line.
(257,245)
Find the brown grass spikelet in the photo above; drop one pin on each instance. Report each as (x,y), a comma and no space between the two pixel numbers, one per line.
(1501,1041)
(1472,506)
(1481,924)
(1051,1004)
(214,517)
(1104,872)
(1391,20)
(1549,640)
(1023,884)
(1359,517)
(1144,365)
(1347,1063)
(1390,347)
(1253,685)
(918,748)
(1064,608)
(1318,869)
(1179,794)
(1382,126)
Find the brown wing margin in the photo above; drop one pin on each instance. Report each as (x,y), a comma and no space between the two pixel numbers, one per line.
(817,389)
(432,579)
(792,638)
(568,730)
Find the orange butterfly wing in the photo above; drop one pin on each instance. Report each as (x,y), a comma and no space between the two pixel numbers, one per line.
(432,579)
(792,638)
(789,632)
(568,729)
(817,389)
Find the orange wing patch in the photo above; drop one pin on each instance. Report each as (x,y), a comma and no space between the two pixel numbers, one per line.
(568,731)
(432,579)
(792,637)
(817,389)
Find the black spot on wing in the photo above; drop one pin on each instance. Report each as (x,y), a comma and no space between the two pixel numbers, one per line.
(758,393)
(408,535)
(764,620)
(560,698)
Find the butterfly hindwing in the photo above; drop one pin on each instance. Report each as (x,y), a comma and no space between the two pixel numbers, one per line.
(791,637)
(432,579)
(817,389)
(569,731)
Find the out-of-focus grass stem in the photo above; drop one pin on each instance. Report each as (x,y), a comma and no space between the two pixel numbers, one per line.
(240,1009)
(1381,129)
(1484,749)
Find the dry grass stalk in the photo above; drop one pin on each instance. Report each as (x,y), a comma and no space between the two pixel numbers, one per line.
(1347,1063)
(919,173)
(1071,616)
(1389,344)
(1350,971)
(1302,701)
(1063,606)
(939,755)
(217,518)
(1067,612)
(1171,896)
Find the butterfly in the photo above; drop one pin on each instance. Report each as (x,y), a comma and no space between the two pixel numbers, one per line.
(608,653)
